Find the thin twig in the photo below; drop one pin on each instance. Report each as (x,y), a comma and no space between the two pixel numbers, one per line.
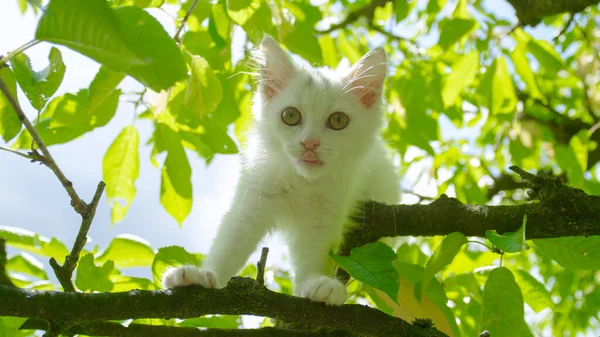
(64,273)
(184,21)
(79,205)
(524,174)
(565,28)
(15,152)
(17,51)
(392,36)
(366,11)
(260,265)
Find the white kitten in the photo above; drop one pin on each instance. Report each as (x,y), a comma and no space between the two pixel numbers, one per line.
(314,152)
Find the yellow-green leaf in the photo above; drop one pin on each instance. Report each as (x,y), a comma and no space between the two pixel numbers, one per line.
(176,175)
(461,75)
(503,308)
(128,251)
(121,168)
(10,125)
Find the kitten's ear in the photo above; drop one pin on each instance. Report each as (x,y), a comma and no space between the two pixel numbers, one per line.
(366,77)
(275,67)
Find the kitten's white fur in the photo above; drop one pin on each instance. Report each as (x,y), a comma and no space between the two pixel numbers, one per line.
(310,204)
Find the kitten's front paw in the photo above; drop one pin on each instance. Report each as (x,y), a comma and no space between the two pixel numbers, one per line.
(324,289)
(189,275)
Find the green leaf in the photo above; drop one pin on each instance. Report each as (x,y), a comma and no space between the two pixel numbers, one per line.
(10,125)
(402,8)
(462,74)
(442,256)
(503,310)
(509,242)
(218,322)
(92,278)
(203,93)
(524,70)
(139,3)
(39,86)
(9,327)
(34,243)
(125,39)
(497,89)
(126,283)
(128,251)
(89,27)
(145,35)
(172,256)
(546,56)
(573,159)
(72,115)
(120,169)
(573,252)
(26,264)
(534,291)
(331,57)
(452,30)
(176,184)
(301,40)
(260,23)
(349,47)
(241,11)
(372,264)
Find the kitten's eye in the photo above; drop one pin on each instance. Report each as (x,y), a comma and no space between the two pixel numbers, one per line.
(338,121)
(291,116)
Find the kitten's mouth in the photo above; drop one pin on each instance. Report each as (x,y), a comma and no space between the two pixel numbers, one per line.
(310,158)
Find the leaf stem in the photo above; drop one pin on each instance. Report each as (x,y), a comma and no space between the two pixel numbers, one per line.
(18,51)
(15,152)
(481,243)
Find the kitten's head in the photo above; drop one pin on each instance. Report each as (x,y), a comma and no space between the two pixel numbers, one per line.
(322,120)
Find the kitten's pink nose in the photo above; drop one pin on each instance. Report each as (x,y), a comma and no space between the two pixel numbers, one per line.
(310,144)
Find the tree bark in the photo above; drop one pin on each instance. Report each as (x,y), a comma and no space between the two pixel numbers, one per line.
(561,211)
(242,296)
(531,12)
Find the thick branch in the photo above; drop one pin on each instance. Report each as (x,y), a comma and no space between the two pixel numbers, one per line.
(561,211)
(64,273)
(144,330)
(78,204)
(532,12)
(241,296)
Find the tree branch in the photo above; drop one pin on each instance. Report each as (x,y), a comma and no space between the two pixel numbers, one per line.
(532,12)
(177,36)
(242,296)
(79,205)
(144,330)
(561,211)
(64,273)
(391,35)
(260,266)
